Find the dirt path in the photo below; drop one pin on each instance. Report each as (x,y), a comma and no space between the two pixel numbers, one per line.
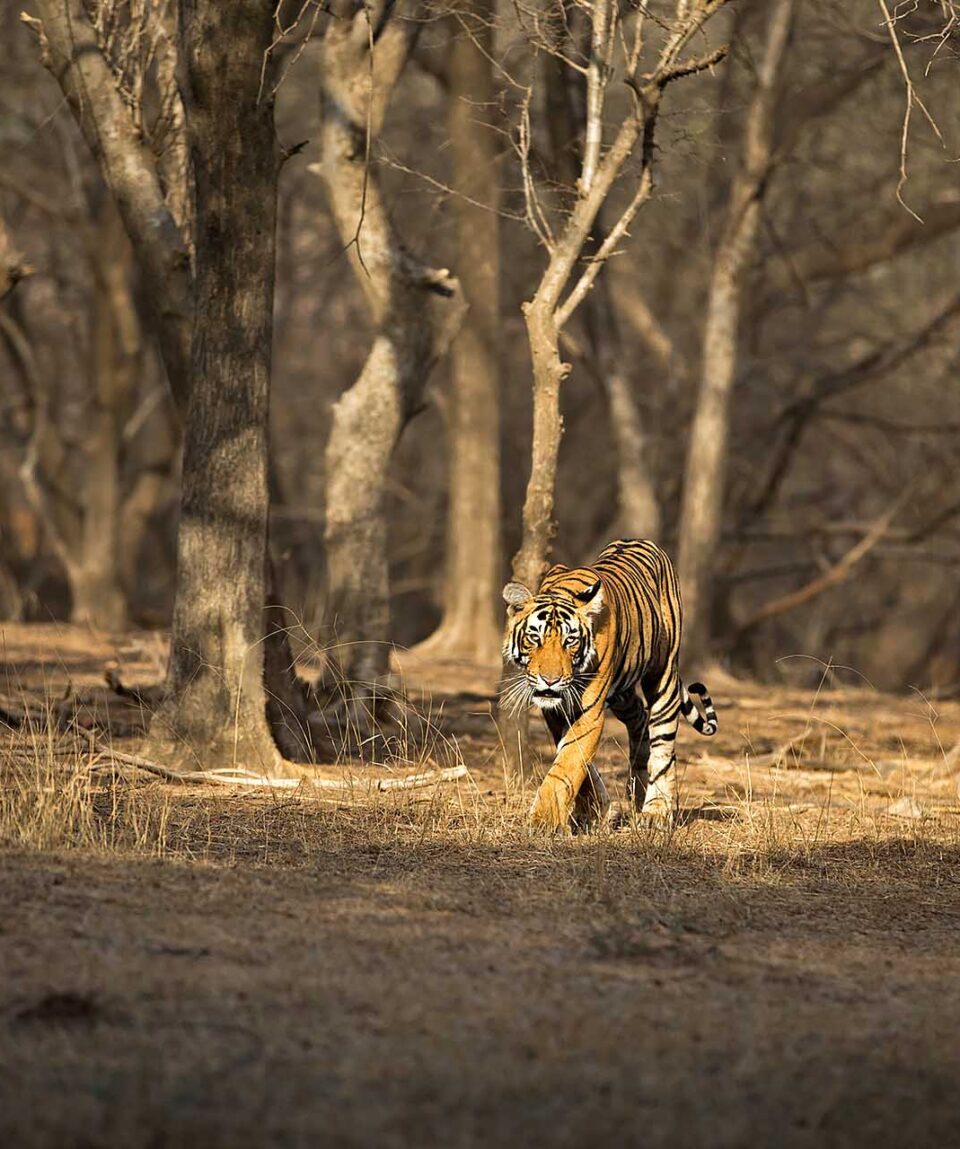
(430,997)
(418,970)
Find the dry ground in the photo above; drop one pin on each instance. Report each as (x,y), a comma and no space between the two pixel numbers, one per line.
(197,966)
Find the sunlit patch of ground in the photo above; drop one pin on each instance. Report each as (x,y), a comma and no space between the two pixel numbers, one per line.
(185,965)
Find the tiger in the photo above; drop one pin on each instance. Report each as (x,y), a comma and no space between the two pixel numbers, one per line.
(604,636)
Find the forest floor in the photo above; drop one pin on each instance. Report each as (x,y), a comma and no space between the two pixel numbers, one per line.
(202,966)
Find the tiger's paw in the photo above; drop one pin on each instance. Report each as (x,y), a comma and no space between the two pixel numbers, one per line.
(619,816)
(552,806)
(661,809)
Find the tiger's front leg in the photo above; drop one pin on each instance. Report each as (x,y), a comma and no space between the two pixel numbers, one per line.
(592,799)
(556,800)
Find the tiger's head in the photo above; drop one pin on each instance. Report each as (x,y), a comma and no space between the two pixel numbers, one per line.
(550,636)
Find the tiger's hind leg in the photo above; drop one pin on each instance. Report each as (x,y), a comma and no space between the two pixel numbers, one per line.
(592,800)
(631,709)
(660,789)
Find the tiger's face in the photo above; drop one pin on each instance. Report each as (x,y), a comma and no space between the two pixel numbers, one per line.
(550,637)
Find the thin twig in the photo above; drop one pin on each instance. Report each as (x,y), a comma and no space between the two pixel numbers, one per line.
(912,97)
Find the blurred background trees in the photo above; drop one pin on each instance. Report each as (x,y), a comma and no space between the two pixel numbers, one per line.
(401,425)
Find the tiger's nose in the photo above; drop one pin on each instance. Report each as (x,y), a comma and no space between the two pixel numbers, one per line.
(550,680)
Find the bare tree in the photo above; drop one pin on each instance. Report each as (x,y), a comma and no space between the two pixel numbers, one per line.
(470,627)
(704,485)
(564,285)
(416,310)
(556,298)
(81,521)
(638,512)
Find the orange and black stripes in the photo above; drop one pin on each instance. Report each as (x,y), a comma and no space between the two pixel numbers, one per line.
(607,635)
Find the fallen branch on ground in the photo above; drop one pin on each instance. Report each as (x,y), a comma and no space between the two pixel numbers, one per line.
(236,776)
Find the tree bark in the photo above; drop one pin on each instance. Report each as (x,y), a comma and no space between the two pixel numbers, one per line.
(416,309)
(705,477)
(214,713)
(470,626)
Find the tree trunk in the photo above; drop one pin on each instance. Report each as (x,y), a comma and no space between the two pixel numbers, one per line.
(214,712)
(99,599)
(638,511)
(470,628)
(530,561)
(549,371)
(417,311)
(705,480)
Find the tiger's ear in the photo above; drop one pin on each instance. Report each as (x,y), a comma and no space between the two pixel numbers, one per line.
(591,597)
(516,595)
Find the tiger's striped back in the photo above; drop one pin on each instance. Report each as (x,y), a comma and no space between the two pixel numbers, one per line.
(639,578)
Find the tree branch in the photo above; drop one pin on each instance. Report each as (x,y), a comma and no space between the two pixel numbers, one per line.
(71,52)
(867,244)
(839,572)
(795,417)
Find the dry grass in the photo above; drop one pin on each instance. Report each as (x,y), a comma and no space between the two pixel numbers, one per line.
(791,772)
(198,965)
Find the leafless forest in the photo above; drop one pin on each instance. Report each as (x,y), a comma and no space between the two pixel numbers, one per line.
(760,374)
(320,322)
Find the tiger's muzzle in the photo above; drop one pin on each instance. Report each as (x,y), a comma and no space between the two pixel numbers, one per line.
(548,692)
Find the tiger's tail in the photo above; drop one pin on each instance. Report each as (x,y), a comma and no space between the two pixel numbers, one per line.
(704,723)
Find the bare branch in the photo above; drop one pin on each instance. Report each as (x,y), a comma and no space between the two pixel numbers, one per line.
(796,416)
(839,572)
(602,35)
(868,244)
(617,233)
(913,97)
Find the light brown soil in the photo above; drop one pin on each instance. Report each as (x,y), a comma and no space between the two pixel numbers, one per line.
(190,966)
